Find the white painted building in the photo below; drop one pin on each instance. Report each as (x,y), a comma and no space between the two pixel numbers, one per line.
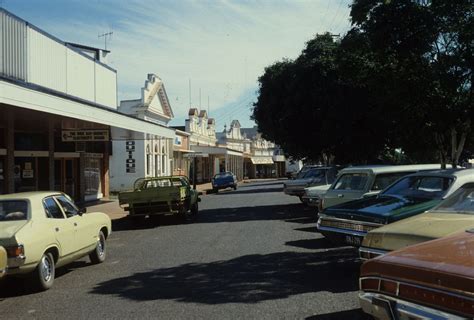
(267,159)
(58,105)
(139,154)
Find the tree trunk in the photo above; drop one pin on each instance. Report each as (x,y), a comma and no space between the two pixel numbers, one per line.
(441,150)
(454,136)
(457,148)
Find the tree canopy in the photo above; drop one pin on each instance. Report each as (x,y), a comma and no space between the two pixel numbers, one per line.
(401,78)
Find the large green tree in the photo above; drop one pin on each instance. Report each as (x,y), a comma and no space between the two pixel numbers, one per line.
(316,106)
(425,51)
(401,79)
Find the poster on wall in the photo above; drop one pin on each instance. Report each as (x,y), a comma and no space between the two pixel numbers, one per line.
(27,174)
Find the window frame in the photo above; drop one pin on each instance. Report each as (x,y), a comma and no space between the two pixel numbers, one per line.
(57,204)
(67,201)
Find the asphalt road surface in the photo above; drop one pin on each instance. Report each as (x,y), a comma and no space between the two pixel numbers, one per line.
(253,253)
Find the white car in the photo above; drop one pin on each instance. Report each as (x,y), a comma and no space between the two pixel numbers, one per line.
(45,230)
(362,181)
(313,195)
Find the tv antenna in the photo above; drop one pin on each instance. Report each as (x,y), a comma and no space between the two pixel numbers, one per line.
(105,36)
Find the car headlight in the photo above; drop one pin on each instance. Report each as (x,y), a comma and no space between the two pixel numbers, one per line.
(372,239)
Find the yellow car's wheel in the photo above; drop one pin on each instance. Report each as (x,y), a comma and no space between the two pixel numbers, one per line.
(100,251)
(43,276)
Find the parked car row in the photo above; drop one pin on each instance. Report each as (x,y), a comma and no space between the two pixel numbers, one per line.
(409,196)
(414,228)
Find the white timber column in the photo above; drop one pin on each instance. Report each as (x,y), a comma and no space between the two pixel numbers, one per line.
(51,152)
(10,151)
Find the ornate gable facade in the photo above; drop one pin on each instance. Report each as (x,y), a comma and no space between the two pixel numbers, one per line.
(153,104)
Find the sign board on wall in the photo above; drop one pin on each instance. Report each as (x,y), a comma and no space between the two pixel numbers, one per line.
(130,161)
(196,155)
(84,135)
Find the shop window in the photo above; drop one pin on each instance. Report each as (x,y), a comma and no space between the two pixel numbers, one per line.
(31,141)
(92,176)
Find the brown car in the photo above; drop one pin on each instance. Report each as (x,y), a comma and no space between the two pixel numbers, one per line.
(431,280)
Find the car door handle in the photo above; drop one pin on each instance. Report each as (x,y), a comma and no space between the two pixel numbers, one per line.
(57,229)
(340,196)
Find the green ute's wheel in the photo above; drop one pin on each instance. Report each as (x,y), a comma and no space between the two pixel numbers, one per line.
(195,209)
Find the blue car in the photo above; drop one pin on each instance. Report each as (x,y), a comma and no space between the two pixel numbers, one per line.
(224,180)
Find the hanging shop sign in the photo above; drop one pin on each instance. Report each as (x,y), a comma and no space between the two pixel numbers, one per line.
(84,135)
(130,161)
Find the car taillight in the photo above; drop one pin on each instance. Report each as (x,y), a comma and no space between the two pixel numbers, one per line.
(15,251)
(456,303)
(369,284)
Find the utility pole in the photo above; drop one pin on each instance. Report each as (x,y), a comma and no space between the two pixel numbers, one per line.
(208,106)
(199,98)
(105,35)
(189,93)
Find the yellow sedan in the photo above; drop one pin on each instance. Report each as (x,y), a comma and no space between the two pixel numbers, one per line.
(41,231)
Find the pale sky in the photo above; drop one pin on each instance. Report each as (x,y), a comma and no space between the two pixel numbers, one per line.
(221,46)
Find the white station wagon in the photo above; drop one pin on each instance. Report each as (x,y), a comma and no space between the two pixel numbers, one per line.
(362,181)
(44,230)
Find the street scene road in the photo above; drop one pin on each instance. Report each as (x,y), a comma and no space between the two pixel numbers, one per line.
(253,253)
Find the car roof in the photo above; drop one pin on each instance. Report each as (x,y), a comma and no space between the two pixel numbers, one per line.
(388,168)
(34,195)
(459,173)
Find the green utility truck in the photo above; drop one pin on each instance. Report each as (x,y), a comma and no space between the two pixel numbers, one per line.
(159,196)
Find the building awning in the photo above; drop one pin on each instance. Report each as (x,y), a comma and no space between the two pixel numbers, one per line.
(183,150)
(279,158)
(262,160)
(216,150)
(25,97)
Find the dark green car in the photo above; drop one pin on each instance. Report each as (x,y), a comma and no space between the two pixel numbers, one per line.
(349,222)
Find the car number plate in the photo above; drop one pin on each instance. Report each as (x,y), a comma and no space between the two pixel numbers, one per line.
(353,240)
(387,307)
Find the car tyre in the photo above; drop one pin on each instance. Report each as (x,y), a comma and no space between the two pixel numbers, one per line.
(215,190)
(195,209)
(100,252)
(235,187)
(43,276)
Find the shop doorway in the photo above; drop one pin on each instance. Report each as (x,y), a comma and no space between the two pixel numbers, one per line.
(66,176)
(3,177)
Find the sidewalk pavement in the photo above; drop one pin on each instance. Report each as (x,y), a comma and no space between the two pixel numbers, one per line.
(110,206)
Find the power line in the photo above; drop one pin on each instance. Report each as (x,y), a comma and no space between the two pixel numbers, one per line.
(336,14)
